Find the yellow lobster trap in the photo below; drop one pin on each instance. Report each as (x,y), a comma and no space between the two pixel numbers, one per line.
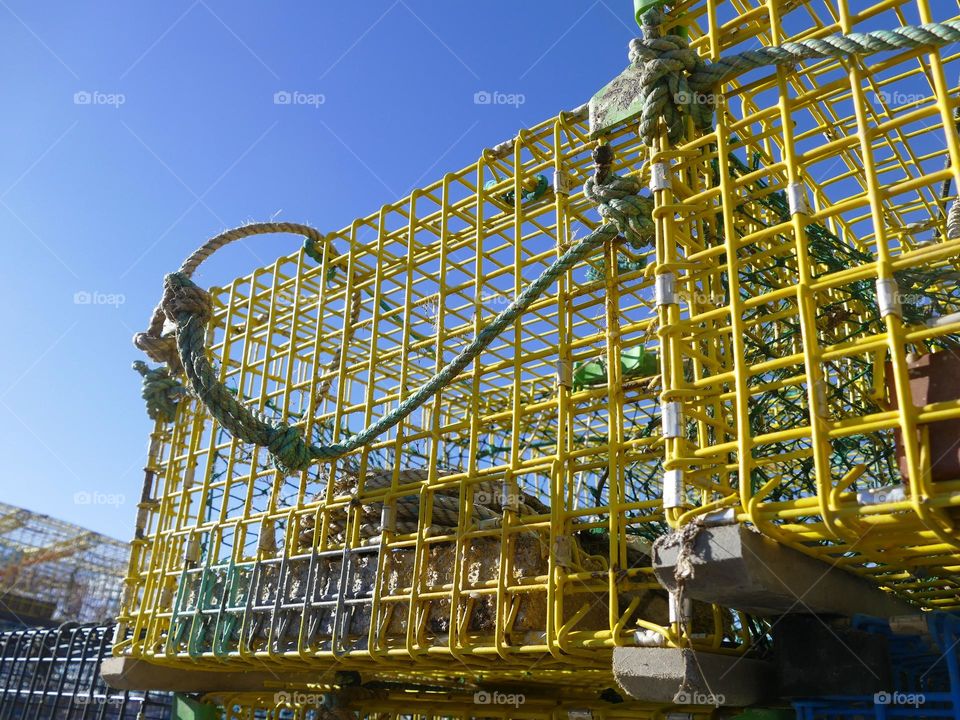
(807,277)
(505,523)
(441,440)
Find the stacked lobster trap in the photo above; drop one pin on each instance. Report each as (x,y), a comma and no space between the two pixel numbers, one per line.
(53,571)
(811,311)
(773,342)
(505,524)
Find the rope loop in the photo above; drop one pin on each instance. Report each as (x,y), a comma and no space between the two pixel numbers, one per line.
(182,296)
(160,349)
(289,450)
(311,246)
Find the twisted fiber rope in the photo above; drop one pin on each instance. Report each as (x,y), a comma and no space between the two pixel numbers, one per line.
(313,249)
(163,349)
(684,539)
(486,492)
(160,391)
(676,82)
(189,308)
(445,517)
(953,220)
(445,503)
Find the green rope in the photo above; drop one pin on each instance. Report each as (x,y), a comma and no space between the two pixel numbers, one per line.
(189,308)
(675,82)
(160,391)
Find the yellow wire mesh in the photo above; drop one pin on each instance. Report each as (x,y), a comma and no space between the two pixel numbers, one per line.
(505,525)
(53,571)
(811,350)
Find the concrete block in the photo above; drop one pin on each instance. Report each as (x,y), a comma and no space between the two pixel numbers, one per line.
(687,677)
(735,566)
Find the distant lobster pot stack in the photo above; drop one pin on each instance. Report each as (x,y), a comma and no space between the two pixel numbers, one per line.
(53,571)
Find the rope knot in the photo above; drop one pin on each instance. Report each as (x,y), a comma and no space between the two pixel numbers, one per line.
(315,247)
(618,203)
(311,246)
(182,297)
(289,450)
(160,349)
(160,391)
(666,64)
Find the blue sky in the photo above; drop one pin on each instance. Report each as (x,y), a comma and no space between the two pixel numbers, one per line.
(134,131)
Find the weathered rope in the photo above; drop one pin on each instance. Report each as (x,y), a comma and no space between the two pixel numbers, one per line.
(160,391)
(676,82)
(684,539)
(620,206)
(163,349)
(323,389)
(487,505)
(953,220)
(189,308)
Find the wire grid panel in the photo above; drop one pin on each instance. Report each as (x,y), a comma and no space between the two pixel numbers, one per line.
(412,705)
(811,348)
(53,571)
(55,673)
(507,523)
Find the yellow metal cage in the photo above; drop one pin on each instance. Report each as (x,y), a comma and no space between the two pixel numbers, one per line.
(506,524)
(809,317)
(771,358)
